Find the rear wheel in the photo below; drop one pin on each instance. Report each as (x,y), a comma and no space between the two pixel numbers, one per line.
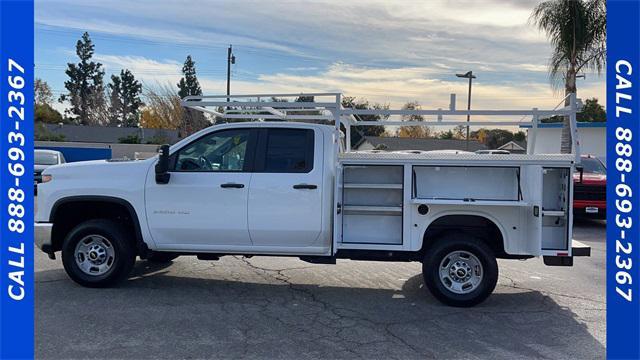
(161,257)
(460,270)
(98,253)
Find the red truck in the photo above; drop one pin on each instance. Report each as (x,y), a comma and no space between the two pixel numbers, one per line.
(589,194)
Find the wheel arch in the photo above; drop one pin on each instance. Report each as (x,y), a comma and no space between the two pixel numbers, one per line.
(475,223)
(110,207)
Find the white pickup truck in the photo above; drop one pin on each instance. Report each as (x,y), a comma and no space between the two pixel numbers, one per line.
(296,189)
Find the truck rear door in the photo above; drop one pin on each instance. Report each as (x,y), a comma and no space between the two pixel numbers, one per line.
(285,193)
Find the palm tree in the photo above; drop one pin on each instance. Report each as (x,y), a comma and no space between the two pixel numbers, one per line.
(577,31)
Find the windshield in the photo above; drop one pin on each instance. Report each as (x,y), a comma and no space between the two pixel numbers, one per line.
(593,166)
(43,158)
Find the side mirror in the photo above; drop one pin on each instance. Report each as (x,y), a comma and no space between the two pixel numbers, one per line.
(162,167)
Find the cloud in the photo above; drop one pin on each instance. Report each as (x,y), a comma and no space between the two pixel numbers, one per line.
(397,86)
(355,31)
(147,70)
(388,52)
(394,86)
(153,34)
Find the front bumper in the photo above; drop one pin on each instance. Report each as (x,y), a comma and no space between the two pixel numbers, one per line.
(42,236)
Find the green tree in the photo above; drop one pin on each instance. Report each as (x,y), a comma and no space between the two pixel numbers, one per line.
(44,113)
(446,135)
(125,99)
(115,102)
(577,31)
(460,132)
(497,137)
(85,86)
(414,131)
(358,132)
(189,84)
(592,111)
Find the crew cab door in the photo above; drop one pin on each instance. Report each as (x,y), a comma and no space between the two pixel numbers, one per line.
(285,195)
(205,202)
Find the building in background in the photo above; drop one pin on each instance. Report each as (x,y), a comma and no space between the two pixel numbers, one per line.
(515,147)
(424,144)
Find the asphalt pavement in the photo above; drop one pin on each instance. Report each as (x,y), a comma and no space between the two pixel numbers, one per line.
(283,308)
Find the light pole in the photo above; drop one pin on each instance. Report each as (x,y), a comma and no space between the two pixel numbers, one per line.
(468,75)
(231,59)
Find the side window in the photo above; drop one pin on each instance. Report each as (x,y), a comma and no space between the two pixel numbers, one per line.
(289,151)
(221,151)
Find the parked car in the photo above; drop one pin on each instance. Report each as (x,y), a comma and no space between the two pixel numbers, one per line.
(590,192)
(42,160)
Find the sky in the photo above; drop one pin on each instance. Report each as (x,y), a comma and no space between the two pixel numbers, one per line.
(389,52)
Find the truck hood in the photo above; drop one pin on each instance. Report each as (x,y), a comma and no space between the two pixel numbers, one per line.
(40,168)
(95,168)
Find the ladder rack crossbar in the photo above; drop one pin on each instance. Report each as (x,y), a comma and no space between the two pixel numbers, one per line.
(253,107)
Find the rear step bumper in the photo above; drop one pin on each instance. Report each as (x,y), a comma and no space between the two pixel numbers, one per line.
(580,249)
(577,249)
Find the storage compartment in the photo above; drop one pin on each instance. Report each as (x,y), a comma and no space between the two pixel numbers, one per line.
(466,182)
(372,228)
(555,188)
(376,174)
(372,198)
(554,233)
(555,212)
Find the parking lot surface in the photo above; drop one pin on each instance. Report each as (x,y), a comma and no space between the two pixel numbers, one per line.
(283,308)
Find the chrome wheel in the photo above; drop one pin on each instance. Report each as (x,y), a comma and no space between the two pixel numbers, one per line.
(461,272)
(94,255)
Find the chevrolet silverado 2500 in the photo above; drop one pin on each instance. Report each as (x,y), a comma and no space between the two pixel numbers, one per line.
(283,188)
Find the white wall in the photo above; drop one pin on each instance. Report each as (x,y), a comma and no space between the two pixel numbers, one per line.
(592,139)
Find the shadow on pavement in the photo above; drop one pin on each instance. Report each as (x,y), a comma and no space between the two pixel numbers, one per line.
(589,223)
(157,315)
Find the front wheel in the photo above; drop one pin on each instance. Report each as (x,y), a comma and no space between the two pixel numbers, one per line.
(460,270)
(98,253)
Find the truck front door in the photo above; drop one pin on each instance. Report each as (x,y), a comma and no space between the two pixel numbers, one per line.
(205,202)
(285,195)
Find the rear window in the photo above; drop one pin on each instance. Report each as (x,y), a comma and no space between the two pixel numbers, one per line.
(593,166)
(289,151)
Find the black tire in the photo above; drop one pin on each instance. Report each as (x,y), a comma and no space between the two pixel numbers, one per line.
(159,257)
(440,250)
(123,248)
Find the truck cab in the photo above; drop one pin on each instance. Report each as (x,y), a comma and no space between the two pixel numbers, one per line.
(243,188)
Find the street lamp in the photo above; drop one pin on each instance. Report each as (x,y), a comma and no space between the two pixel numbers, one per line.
(468,75)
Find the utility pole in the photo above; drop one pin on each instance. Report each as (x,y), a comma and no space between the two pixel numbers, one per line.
(468,75)
(231,59)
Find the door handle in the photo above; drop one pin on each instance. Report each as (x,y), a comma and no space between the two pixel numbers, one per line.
(305,186)
(232,185)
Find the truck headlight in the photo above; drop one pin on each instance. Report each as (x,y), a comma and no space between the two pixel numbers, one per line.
(46,178)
